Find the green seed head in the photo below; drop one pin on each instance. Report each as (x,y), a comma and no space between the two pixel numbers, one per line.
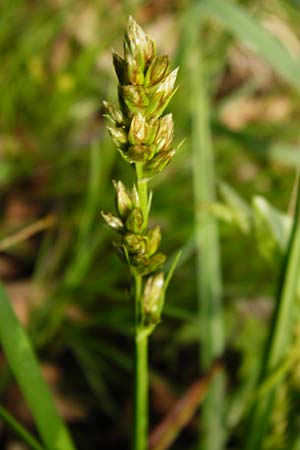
(134,98)
(112,221)
(146,265)
(143,136)
(139,261)
(155,262)
(160,95)
(141,131)
(118,135)
(135,243)
(122,200)
(135,221)
(138,130)
(166,86)
(140,153)
(145,88)
(154,238)
(157,70)
(114,114)
(158,163)
(154,289)
(135,197)
(165,133)
(137,45)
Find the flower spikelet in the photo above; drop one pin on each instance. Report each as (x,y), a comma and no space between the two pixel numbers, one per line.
(146,85)
(136,244)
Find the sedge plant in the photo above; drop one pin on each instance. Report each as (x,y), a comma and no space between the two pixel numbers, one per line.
(143,136)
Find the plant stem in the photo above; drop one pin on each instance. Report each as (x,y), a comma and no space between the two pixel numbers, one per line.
(141,391)
(20,430)
(140,423)
(207,242)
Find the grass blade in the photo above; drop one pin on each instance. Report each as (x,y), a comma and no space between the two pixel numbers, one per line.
(24,365)
(209,284)
(246,28)
(172,269)
(19,430)
(82,254)
(280,334)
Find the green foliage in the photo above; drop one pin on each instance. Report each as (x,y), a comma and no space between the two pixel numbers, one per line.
(25,368)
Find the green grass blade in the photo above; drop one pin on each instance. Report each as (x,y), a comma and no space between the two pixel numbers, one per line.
(280,334)
(246,28)
(82,253)
(209,284)
(240,208)
(24,365)
(19,430)
(173,266)
(91,206)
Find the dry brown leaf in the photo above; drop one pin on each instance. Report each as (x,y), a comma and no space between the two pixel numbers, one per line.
(166,432)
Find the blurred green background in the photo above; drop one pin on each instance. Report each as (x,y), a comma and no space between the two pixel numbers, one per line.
(57,163)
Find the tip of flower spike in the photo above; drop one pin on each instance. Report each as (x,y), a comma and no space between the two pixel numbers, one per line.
(131,20)
(134,27)
(138,49)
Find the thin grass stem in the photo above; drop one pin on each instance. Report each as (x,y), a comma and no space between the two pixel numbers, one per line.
(19,430)
(140,422)
(209,283)
(141,392)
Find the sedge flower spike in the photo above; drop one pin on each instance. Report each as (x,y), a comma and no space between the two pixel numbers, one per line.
(146,85)
(143,136)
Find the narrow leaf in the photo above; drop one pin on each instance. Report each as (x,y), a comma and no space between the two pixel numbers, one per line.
(248,29)
(241,209)
(280,334)
(19,430)
(272,225)
(209,279)
(172,268)
(24,365)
